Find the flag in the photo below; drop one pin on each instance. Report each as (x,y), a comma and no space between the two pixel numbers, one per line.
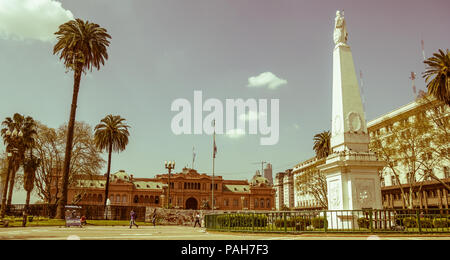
(193,155)
(423,49)
(214,138)
(413,77)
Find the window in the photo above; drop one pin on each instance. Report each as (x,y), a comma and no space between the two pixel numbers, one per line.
(235,203)
(256,203)
(446,172)
(124,198)
(268,203)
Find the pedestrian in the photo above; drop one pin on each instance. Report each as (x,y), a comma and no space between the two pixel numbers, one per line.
(197,219)
(133,217)
(83,221)
(154,218)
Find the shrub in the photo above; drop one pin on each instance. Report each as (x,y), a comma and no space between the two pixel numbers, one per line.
(441,222)
(363,222)
(426,222)
(409,222)
(318,222)
(242,220)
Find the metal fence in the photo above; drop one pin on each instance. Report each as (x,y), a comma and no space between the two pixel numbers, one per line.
(357,221)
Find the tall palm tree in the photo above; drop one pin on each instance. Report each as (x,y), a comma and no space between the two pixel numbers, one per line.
(439,68)
(111,134)
(322,144)
(82,45)
(18,134)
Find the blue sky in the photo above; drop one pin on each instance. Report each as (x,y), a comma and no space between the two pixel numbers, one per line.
(162,50)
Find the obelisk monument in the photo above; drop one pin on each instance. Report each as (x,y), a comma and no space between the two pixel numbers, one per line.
(351,169)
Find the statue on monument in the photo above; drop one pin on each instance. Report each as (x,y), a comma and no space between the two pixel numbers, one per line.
(340,30)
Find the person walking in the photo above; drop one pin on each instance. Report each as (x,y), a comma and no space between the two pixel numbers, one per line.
(133,217)
(197,219)
(154,218)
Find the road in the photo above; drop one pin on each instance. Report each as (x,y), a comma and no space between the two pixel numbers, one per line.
(176,233)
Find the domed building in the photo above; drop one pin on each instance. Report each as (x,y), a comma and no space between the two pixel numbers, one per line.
(188,190)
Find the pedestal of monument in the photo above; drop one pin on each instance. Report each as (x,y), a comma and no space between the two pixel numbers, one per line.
(353,184)
(351,169)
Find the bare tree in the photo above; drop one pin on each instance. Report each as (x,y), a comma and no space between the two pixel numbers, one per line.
(312,182)
(411,148)
(86,159)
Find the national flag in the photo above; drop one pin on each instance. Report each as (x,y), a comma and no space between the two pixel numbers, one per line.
(214,138)
(413,77)
(193,154)
(423,49)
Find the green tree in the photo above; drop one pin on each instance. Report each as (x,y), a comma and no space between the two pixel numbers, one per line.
(19,136)
(322,144)
(438,67)
(29,175)
(82,45)
(111,135)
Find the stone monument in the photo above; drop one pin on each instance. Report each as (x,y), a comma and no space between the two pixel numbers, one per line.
(351,169)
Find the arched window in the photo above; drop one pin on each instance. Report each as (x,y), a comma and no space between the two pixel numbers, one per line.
(156,199)
(268,203)
(136,199)
(256,203)
(124,199)
(100,198)
(152,199)
(262,203)
(146,199)
(141,199)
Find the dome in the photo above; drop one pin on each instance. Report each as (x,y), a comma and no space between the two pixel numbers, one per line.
(259,180)
(120,175)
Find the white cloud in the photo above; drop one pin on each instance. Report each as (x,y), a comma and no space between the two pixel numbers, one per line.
(251,116)
(266,79)
(235,133)
(31,19)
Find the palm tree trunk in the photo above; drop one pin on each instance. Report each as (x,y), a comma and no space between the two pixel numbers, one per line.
(108,173)
(5,190)
(12,178)
(70,129)
(27,205)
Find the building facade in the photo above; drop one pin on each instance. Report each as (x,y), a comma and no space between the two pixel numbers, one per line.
(284,186)
(431,154)
(188,190)
(427,193)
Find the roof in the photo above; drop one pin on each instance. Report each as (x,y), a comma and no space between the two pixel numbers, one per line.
(91,183)
(237,188)
(148,185)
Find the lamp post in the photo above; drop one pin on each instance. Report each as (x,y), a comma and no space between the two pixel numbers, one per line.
(169,166)
(11,151)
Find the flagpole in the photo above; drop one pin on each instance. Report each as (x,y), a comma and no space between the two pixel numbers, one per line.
(214,157)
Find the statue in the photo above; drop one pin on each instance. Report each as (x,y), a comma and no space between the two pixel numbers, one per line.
(340,30)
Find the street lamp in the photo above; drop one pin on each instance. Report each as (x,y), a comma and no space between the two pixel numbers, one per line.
(169,166)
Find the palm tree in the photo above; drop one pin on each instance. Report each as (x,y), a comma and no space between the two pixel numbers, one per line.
(19,136)
(82,46)
(29,174)
(322,144)
(439,68)
(111,134)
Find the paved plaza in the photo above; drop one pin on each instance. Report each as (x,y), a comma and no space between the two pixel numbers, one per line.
(178,233)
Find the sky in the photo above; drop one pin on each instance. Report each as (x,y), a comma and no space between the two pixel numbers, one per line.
(163,50)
